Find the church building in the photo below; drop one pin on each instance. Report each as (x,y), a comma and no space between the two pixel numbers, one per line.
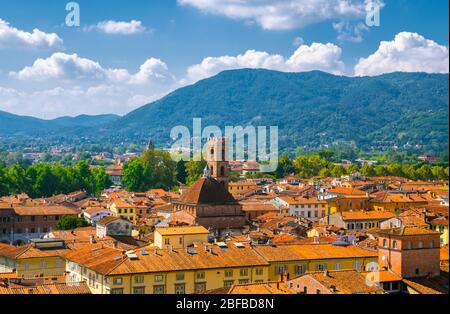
(208,200)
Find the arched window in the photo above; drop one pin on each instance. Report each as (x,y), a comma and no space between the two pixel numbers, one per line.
(431,244)
(420,244)
(222,171)
(394,244)
(409,245)
(384,243)
(212,152)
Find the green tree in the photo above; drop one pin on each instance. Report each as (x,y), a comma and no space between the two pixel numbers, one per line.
(326,154)
(381,171)
(367,170)
(395,169)
(309,166)
(46,182)
(159,169)
(285,167)
(99,180)
(155,169)
(352,168)
(133,176)
(4,189)
(424,172)
(17,179)
(409,171)
(325,173)
(181,171)
(440,173)
(337,171)
(71,222)
(194,170)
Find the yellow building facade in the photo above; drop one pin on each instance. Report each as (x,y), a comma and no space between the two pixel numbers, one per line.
(204,266)
(441,226)
(29,262)
(165,271)
(297,259)
(179,237)
(123,209)
(348,202)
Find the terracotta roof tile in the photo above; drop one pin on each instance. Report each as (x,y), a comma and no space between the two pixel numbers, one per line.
(207,191)
(366,215)
(407,231)
(114,262)
(345,282)
(182,230)
(45,210)
(294,252)
(261,288)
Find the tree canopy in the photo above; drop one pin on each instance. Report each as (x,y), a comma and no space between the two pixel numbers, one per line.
(45,180)
(154,169)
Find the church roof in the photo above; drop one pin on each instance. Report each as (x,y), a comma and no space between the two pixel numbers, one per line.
(207,191)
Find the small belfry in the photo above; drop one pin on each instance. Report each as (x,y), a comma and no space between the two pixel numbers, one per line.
(217,158)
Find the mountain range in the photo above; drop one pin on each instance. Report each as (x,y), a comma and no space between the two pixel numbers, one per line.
(15,125)
(310,108)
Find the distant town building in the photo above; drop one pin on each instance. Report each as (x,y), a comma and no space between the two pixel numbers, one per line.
(428,158)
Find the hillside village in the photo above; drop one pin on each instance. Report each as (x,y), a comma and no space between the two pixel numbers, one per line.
(331,235)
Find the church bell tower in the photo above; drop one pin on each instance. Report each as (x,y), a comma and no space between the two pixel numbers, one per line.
(217,157)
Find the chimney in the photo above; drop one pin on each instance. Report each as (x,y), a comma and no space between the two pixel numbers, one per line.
(115,244)
(326,273)
(92,239)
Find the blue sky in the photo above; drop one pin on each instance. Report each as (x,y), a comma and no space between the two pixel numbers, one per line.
(119,67)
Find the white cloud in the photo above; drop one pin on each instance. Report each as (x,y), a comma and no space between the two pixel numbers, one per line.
(317,56)
(118,27)
(285,14)
(74,100)
(152,70)
(74,85)
(13,37)
(352,32)
(67,67)
(323,57)
(408,52)
(9,98)
(61,66)
(298,41)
